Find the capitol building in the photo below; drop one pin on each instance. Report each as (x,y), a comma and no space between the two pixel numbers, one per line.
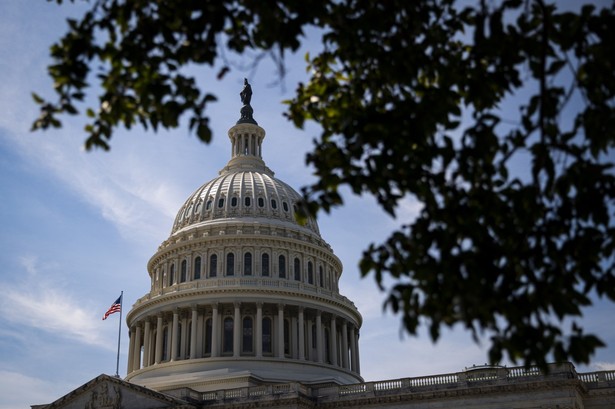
(244,310)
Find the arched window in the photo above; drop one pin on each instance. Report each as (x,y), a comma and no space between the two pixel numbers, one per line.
(310,273)
(267,347)
(261,202)
(282,266)
(297,269)
(285,206)
(197,268)
(247,201)
(233,201)
(208,333)
(247,264)
(321,279)
(165,343)
(247,335)
(172,275)
(183,269)
(314,343)
(230,264)
(286,337)
(274,204)
(179,341)
(327,347)
(213,265)
(227,337)
(265,265)
(208,205)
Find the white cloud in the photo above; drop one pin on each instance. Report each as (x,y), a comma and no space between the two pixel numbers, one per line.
(40,303)
(604,366)
(19,390)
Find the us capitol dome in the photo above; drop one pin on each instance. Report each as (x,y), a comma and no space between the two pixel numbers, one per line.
(241,293)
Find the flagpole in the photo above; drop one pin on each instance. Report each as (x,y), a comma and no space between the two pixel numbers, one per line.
(119,335)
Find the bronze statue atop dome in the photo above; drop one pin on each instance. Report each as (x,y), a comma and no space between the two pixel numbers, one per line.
(246,109)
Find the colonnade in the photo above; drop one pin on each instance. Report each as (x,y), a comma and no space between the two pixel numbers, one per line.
(250,330)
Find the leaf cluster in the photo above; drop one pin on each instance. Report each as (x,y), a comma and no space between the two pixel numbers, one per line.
(497,117)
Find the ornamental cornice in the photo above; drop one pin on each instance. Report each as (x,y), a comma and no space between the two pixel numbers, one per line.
(337,306)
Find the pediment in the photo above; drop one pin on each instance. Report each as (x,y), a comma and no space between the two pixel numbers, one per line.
(106,392)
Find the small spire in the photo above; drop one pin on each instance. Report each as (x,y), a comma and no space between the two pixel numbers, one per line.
(246,109)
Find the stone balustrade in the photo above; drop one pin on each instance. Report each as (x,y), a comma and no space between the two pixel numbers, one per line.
(451,381)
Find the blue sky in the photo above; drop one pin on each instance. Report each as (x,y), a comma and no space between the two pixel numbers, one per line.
(79,227)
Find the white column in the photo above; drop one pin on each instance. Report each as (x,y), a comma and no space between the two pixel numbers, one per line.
(319,338)
(131,348)
(301,335)
(280,330)
(353,349)
(136,354)
(215,331)
(174,334)
(158,352)
(357,354)
(193,332)
(147,344)
(345,345)
(259,329)
(237,330)
(333,341)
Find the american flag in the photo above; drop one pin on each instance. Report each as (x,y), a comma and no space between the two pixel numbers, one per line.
(115,307)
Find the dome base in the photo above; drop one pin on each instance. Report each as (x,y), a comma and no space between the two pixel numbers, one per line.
(204,375)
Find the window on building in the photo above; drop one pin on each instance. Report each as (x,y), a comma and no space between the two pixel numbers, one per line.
(208,205)
(213,265)
(321,277)
(286,337)
(297,269)
(274,204)
(208,334)
(267,346)
(327,347)
(230,264)
(310,273)
(314,344)
(172,274)
(285,206)
(247,346)
(221,202)
(265,265)
(183,271)
(165,344)
(261,202)
(247,202)
(197,268)
(179,340)
(282,266)
(247,264)
(233,201)
(227,336)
